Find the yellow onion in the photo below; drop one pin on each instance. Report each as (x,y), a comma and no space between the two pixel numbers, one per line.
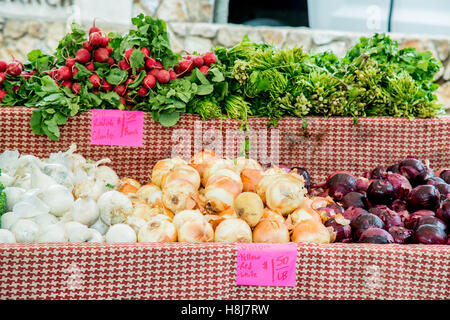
(129,181)
(270,231)
(285,194)
(157,231)
(214,220)
(150,194)
(310,231)
(163,167)
(214,166)
(249,207)
(127,189)
(264,183)
(228,213)
(201,160)
(244,163)
(187,215)
(179,195)
(144,211)
(225,173)
(182,172)
(233,230)
(196,231)
(220,195)
(302,214)
(269,214)
(250,179)
(274,170)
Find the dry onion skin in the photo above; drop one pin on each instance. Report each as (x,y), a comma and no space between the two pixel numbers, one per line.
(179,195)
(233,175)
(184,172)
(215,165)
(201,160)
(163,167)
(228,213)
(244,163)
(220,195)
(233,230)
(196,231)
(310,231)
(250,179)
(157,231)
(270,231)
(285,194)
(302,214)
(150,194)
(269,214)
(187,215)
(249,207)
(264,183)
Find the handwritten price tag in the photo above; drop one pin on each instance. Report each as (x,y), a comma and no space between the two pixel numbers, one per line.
(117,127)
(262,264)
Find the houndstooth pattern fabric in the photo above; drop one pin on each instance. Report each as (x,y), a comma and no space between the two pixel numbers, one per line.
(207,271)
(327,145)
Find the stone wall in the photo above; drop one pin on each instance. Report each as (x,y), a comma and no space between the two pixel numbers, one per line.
(17,38)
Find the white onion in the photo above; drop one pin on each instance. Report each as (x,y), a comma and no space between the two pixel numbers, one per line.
(13,195)
(30,205)
(25,230)
(8,219)
(45,219)
(196,231)
(85,211)
(52,233)
(158,231)
(95,236)
(6,180)
(100,226)
(233,230)
(114,207)
(58,198)
(60,173)
(187,215)
(7,236)
(249,207)
(285,195)
(120,233)
(106,175)
(179,195)
(76,232)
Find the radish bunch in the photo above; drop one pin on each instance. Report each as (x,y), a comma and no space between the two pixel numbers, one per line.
(13,69)
(202,62)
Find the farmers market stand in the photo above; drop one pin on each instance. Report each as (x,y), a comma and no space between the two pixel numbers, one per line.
(207,270)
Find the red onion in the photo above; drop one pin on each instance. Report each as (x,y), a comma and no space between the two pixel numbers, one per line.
(302,172)
(363,222)
(434,181)
(401,235)
(445,175)
(343,231)
(401,185)
(340,184)
(444,211)
(377,173)
(414,170)
(430,234)
(411,222)
(353,212)
(389,217)
(433,221)
(425,197)
(380,192)
(444,190)
(376,235)
(362,184)
(399,206)
(354,199)
(393,168)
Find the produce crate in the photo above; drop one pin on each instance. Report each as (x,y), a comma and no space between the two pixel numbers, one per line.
(207,271)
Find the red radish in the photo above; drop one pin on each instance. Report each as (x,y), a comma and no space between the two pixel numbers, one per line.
(26,75)
(158,64)
(67,84)
(120,89)
(146,52)
(70,62)
(124,65)
(198,62)
(3,66)
(87,46)
(140,69)
(173,74)
(209,58)
(110,50)
(16,88)
(142,91)
(53,73)
(154,72)
(204,70)
(33,72)
(101,55)
(3,93)
(110,61)
(3,77)
(95,39)
(64,73)
(93,28)
(74,71)
(106,86)
(83,56)
(95,81)
(149,81)
(90,66)
(128,53)
(95,91)
(187,57)
(128,82)
(128,99)
(105,42)
(14,69)
(76,87)
(185,66)
(122,101)
(150,63)
(163,76)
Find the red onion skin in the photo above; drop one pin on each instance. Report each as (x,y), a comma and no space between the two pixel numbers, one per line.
(363,222)
(411,222)
(430,234)
(389,217)
(343,232)
(353,212)
(376,235)
(424,197)
(401,185)
(393,168)
(286,168)
(340,184)
(445,175)
(305,175)
(433,221)
(362,184)
(444,211)
(444,190)
(377,173)
(401,235)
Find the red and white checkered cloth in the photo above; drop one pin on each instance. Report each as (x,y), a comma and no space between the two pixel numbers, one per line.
(207,271)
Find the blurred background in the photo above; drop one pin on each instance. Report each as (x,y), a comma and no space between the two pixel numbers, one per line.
(199,25)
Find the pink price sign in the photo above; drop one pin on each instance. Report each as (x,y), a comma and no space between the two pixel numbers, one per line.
(261,264)
(117,127)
